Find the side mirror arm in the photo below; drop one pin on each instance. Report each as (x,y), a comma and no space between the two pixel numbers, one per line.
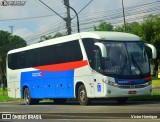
(154,51)
(102,48)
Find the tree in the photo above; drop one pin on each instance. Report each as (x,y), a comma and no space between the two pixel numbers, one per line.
(119,28)
(151,34)
(58,34)
(134,28)
(104,26)
(4,37)
(44,38)
(8,42)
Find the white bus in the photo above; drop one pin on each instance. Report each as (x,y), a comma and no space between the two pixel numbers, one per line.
(86,65)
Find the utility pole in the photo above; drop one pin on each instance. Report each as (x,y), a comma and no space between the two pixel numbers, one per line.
(68,19)
(11,29)
(65,3)
(124,19)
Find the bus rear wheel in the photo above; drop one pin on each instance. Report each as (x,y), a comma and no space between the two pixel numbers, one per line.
(82,96)
(27,98)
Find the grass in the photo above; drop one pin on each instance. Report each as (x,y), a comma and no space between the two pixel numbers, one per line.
(4,96)
(3,92)
(156,82)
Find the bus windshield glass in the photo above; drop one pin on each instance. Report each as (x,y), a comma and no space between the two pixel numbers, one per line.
(125,59)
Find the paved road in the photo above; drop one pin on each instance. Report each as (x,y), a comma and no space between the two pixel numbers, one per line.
(98,111)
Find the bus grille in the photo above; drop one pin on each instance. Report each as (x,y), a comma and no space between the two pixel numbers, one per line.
(133,86)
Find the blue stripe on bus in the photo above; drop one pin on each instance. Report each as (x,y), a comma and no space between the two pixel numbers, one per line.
(45,84)
(130,82)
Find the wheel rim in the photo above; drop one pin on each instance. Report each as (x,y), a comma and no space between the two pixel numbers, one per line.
(83,96)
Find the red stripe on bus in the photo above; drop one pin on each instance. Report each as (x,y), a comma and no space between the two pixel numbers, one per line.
(63,66)
(147,78)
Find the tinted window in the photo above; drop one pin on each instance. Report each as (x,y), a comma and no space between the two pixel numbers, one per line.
(12,61)
(45,55)
(22,60)
(34,57)
(89,48)
(73,51)
(54,54)
(59,53)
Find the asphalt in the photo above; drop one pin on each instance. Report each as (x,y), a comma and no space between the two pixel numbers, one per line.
(72,111)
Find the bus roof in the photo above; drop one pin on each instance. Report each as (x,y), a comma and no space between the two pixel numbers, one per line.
(102,35)
(113,36)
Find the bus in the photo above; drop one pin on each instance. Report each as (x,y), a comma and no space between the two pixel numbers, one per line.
(84,66)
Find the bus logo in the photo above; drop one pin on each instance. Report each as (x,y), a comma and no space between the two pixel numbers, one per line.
(38,74)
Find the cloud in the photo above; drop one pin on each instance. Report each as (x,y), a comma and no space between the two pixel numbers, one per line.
(22,32)
(37,27)
(128,3)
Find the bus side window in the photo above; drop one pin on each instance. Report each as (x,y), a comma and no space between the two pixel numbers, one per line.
(89,47)
(22,60)
(73,51)
(12,59)
(33,58)
(58,53)
(42,58)
(9,61)
(97,59)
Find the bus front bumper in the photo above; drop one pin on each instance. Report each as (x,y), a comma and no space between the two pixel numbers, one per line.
(112,91)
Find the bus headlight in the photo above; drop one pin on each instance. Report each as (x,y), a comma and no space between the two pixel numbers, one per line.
(113,84)
(148,83)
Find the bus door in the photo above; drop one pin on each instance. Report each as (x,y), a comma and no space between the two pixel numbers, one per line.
(97,76)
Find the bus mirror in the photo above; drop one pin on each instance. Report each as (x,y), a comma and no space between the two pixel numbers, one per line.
(154,51)
(102,48)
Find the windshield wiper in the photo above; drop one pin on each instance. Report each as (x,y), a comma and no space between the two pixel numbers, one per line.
(135,64)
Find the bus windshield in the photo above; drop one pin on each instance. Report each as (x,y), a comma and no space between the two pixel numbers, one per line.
(125,59)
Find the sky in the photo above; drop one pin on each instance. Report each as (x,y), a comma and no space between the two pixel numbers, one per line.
(28,28)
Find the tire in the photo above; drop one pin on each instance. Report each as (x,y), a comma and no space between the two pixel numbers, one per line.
(27,98)
(82,96)
(60,101)
(122,100)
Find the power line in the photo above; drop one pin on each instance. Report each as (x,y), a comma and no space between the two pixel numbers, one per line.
(74,16)
(53,25)
(112,16)
(83,8)
(51,9)
(89,22)
(109,17)
(36,17)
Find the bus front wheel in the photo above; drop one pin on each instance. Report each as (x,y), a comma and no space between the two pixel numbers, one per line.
(82,96)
